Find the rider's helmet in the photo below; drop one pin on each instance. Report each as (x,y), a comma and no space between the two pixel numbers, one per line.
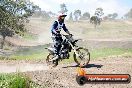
(61,17)
(99,9)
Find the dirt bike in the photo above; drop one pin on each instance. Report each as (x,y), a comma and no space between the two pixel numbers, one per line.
(81,55)
(95,20)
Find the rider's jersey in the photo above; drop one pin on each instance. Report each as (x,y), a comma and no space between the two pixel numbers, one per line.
(57,26)
(98,13)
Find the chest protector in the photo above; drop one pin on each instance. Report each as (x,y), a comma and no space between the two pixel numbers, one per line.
(59,27)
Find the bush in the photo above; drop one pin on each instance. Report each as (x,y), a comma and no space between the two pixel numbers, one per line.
(13,81)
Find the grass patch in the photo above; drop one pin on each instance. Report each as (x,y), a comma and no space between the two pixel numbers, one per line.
(13,81)
(29,53)
(97,53)
(105,52)
(34,56)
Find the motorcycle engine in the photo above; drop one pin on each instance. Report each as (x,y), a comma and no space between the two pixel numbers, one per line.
(65,54)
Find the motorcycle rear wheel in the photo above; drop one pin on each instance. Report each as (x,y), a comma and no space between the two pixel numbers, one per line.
(49,62)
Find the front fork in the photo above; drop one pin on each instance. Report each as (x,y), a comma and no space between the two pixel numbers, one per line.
(74,49)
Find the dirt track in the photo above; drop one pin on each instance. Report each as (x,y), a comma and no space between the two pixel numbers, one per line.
(63,76)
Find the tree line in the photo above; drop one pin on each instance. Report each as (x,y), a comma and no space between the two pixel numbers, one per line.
(128,15)
(77,14)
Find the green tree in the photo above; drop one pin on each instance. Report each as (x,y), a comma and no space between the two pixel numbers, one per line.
(77,14)
(51,14)
(14,15)
(114,15)
(85,16)
(109,16)
(129,14)
(45,15)
(71,17)
(63,8)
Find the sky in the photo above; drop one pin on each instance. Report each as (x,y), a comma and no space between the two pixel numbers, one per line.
(109,6)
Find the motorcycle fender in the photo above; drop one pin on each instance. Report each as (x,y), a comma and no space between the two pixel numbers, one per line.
(51,50)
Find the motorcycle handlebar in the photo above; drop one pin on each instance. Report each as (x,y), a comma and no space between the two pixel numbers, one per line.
(67,35)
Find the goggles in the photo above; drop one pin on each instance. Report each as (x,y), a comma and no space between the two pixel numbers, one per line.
(62,17)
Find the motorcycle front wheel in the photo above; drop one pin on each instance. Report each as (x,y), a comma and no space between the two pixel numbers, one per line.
(83,57)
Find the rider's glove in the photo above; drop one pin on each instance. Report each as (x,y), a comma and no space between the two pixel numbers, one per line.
(70,34)
(57,34)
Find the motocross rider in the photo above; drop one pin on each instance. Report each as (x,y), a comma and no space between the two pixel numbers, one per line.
(56,36)
(98,13)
